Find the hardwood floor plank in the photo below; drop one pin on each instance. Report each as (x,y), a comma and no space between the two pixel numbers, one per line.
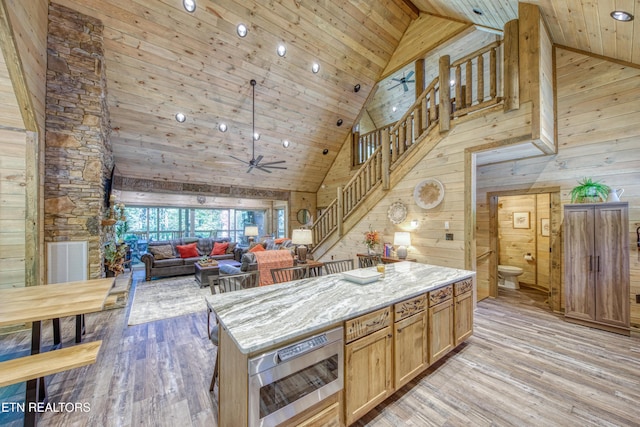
(524,366)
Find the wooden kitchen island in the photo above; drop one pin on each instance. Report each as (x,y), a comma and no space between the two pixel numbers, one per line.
(394,328)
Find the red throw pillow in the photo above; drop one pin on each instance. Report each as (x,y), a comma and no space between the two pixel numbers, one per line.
(280,240)
(257,248)
(219,248)
(188,251)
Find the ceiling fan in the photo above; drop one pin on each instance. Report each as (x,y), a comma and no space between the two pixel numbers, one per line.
(403,81)
(256,162)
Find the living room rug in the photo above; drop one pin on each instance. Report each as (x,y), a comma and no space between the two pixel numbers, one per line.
(165,298)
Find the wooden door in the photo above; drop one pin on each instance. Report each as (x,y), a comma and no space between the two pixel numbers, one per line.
(410,348)
(612,264)
(440,327)
(368,368)
(579,274)
(463,313)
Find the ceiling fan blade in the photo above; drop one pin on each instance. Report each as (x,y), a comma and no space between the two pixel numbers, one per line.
(240,160)
(273,163)
(406,88)
(257,160)
(395,86)
(411,73)
(273,167)
(411,81)
(263,169)
(396,80)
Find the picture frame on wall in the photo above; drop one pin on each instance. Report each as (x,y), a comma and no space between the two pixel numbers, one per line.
(521,220)
(544,227)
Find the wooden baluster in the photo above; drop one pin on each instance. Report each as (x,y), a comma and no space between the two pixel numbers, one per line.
(459,101)
(385,154)
(401,138)
(480,73)
(433,111)
(468,101)
(424,115)
(494,75)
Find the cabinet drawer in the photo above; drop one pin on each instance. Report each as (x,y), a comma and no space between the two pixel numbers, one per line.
(440,295)
(462,286)
(409,307)
(366,324)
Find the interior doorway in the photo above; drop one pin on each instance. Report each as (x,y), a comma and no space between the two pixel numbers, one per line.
(528,227)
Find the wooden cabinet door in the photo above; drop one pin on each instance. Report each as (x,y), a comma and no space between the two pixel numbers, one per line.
(611,265)
(463,312)
(368,368)
(410,348)
(579,274)
(440,327)
(328,417)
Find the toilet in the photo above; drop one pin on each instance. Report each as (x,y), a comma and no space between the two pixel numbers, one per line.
(508,276)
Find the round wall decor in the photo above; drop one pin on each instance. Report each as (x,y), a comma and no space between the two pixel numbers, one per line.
(429,193)
(397,212)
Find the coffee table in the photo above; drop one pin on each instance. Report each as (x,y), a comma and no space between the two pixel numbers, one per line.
(204,272)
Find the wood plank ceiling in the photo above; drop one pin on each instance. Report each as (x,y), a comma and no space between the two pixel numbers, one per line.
(162,60)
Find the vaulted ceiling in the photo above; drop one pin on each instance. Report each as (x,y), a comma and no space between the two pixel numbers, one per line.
(162,60)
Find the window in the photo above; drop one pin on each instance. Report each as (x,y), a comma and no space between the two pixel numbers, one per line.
(165,223)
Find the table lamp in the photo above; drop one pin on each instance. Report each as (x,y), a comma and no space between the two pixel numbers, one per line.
(251,231)
(403,239)
(302,237)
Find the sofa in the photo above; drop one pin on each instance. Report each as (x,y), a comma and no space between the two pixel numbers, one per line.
(164,258)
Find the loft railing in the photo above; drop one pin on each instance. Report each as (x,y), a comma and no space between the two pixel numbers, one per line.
(473,83)
(476,80)
(364,145)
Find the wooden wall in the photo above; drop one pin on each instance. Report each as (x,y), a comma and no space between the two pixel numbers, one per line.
(598,112)
(12,208)
(22,116)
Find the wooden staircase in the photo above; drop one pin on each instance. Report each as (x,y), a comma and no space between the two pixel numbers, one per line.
(403,145)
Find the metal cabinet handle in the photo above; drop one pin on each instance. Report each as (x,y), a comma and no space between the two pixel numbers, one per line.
(399,329)
(598,263)
(590,262)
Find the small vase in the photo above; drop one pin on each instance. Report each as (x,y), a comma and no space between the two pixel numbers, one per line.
(370,250)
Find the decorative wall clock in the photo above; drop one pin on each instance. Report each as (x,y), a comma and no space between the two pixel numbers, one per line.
(397,212)
(429,193)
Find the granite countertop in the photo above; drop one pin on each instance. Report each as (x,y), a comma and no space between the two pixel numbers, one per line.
(260,318)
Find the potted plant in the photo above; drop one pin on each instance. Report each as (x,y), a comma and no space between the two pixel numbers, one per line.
(589,191)
(114,258)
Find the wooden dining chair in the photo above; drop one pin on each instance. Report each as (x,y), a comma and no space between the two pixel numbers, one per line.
(288,274)
(230,283)
(338,266)
(369,260)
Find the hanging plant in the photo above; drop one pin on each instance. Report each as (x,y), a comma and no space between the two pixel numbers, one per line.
(589,191)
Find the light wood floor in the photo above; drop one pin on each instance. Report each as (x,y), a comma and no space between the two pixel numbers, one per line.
(524,366)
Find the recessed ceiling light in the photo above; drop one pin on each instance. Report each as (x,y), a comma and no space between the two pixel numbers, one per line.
(222,127)
(315,67)
(242,30)
(282,50)
(339,122)
(394,108)
(256,136)
(285,143)
(356,88)
(477,11)
(189,5)
(325,151)
(452,82)
(180,118)
(621,15)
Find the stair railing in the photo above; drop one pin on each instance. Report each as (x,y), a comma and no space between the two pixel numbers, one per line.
(465,90)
